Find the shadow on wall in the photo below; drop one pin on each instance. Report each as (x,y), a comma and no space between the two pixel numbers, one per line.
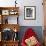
(37,29)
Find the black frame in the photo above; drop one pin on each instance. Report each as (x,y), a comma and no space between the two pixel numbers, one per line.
(30,7)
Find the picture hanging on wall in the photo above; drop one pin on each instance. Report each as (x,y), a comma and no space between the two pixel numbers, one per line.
(29,12)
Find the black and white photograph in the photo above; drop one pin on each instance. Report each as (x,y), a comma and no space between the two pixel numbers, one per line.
(29,12)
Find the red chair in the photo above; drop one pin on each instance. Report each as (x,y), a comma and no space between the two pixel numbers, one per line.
(29,33)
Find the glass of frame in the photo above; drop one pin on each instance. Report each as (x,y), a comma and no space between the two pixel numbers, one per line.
(5,12)
(30,12)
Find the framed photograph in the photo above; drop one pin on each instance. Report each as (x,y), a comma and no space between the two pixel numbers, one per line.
(5,12)
(29,12)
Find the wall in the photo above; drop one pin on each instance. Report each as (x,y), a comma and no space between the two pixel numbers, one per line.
(39,13)
(21,4)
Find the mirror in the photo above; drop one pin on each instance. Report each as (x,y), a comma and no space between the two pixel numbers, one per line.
(0,36)
(0,19)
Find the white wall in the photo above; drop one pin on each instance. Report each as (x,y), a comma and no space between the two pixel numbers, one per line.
(39,13)
(21,4)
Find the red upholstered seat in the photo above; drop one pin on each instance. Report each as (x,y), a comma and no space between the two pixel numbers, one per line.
(29,33)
